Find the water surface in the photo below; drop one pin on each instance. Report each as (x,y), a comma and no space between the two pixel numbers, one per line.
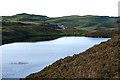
(21,59)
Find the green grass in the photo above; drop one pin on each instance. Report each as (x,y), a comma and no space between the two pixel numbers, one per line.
(30,27)
(86,22)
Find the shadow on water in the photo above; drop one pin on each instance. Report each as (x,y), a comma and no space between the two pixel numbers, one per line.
(10,79)
(32,39)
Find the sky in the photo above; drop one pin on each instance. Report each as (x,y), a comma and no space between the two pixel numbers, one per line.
(59,8)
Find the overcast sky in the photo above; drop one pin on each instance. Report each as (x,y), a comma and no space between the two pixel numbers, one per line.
(58,8)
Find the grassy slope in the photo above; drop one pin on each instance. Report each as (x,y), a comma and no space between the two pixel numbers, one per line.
(86,22)
(29,27)
(99,61)
(17,31)
(79,22)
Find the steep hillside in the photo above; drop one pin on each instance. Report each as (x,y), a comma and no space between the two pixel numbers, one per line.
(100,61)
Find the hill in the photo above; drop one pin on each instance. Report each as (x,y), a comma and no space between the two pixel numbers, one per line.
(30,27)
(28,32)
(100,61)
(25,17)
(88,22)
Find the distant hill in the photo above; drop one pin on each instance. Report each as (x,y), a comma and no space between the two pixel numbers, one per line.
(22,26)
(25,17)
(100,61)
(88,22)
